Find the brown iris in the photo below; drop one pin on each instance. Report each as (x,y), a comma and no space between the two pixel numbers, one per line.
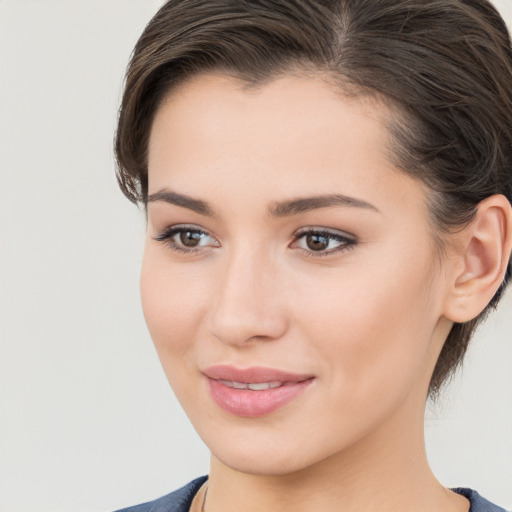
(190,238)
(317,242)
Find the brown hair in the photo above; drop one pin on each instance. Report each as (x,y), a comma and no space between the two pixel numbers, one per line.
(444,65)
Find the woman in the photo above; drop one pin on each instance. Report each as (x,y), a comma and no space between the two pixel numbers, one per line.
(328,189)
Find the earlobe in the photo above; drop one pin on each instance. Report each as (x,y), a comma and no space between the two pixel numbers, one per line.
(480,267)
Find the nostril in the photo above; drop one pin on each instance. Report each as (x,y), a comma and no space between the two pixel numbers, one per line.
(248,328)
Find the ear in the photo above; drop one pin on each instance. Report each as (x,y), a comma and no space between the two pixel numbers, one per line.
(480,263)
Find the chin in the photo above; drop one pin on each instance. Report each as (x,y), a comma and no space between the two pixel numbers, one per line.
(266,453)
(262,464)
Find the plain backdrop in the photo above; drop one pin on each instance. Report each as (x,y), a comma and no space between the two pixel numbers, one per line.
(88,422)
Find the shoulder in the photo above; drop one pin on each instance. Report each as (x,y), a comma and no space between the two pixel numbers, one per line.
(478,503)
(177,501)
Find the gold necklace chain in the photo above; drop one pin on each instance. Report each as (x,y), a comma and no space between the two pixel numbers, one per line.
(203,506)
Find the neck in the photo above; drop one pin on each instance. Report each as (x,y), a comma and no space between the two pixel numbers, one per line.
(386,471)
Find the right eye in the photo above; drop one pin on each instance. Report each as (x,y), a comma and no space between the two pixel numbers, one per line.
(186,239)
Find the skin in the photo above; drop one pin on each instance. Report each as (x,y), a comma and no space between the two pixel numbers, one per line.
(367,321)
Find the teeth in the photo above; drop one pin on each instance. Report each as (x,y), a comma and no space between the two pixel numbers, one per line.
(233,384)
(259,386)
(253,386)
(239,385)
(266,385)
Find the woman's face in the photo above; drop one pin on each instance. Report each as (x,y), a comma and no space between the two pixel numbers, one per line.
(289,280)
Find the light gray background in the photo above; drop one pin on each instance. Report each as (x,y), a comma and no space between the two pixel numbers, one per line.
(88,422)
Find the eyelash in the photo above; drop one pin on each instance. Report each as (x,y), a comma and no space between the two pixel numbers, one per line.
(166,237)
(346,242)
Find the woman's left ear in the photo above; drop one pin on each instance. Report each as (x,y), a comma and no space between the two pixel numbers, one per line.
(483,251)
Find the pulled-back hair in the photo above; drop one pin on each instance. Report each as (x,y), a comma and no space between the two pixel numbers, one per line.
(444,66)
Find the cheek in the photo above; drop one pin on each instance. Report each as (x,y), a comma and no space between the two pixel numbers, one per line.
(371,327)
(173,302)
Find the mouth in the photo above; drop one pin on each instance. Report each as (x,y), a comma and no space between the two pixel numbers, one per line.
(254,392)
(252,386)
(253,375)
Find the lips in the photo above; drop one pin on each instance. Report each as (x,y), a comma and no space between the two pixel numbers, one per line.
(256,391)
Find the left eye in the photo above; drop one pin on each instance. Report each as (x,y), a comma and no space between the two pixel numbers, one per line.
(322,241)
(186,239)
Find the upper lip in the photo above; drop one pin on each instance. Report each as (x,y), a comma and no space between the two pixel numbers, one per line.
(253,375)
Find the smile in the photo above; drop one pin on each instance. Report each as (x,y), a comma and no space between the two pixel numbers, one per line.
(254,392)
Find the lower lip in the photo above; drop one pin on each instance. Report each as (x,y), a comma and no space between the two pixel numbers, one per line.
(252,404)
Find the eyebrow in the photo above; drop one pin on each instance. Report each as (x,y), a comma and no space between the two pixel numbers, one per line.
(301,205)
(277,210)
(182,200)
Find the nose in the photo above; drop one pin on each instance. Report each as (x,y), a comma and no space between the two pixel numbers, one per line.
(247,305)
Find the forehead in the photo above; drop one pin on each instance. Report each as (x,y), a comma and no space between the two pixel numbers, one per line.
(288,110)
(291,135)
(311,95)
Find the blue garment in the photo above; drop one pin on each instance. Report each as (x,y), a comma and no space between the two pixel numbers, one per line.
(478,504)
(180,500)
(177,501)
